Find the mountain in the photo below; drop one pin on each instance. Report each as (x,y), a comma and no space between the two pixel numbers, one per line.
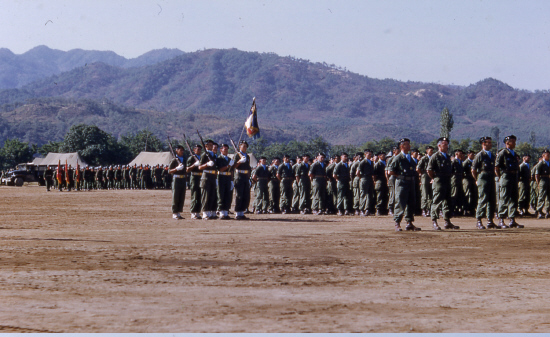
(41,62)
(212,90)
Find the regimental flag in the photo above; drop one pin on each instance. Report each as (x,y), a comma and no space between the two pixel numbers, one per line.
(66,172)
(59,175)
(77,172)
(251,124)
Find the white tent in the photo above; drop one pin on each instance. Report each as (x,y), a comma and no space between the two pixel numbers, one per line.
(152,158)
(52,159)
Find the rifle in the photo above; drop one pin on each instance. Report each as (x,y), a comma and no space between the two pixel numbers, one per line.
(172,150)
(204,147)
(189,148)
(233,143)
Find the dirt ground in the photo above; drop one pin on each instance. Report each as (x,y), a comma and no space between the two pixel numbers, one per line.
(115,261)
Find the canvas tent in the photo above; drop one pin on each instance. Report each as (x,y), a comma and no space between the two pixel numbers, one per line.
(152,159)
(52,159)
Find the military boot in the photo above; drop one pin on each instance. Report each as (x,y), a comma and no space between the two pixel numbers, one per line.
(514,224)
(480,224)
(501,224)
(435,225)
(491,224)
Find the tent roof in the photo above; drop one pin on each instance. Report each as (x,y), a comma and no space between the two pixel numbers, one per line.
(152,158)
(55,158)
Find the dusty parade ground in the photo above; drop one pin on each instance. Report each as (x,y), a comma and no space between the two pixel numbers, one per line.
(115,261)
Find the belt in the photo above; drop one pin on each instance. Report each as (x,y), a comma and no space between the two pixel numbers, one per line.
(210,171)
(179,175)
(510,172)
(261,178)
(242,171)
(287,178)
(224,173)
(319,176)
(404,178)
(196,173)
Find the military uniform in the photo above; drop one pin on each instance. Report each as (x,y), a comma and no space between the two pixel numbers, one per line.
(179,183)
(208,186)
(296,188)
(305,188)
(365,171)
(319,181)
(274,190)
(469,187)
(286,175)
(262,176)
(242,185)
(543,171)
(48,178)
(441,166)
(381,187)
(508,164)
(225,186)
(332,190)
(524,187)
(355,186)
(391,187)
(194,186)
(405,189)
(425,185)
(342,172)
(484,165)
(457,191)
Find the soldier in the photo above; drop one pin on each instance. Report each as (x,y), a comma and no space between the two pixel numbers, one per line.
(440,171)
(318,176)
(69,178)
(242,181)
(524,185)
(133,177)
(99,178)
(261,178)
(295,185)
(506,169)
(342,176)
(483,170)
(48,177)
(457,191)
(355,182)
(469,186)
(193,163)
(208,182)
(177,169)
(391,181)
(403,168)
(285,174)
(332,190)
(534,187)
(381,185)
(415,155)
(274,187)
(542,171)
(304,185)
(225,182)
(365,172)
(425,182)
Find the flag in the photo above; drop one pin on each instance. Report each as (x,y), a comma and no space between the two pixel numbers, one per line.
(59,175)
(77,172)
(66,171)
(251,124)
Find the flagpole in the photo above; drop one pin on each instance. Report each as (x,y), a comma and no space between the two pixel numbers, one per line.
(244,127)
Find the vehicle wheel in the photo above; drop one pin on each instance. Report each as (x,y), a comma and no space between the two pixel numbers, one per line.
(19,181)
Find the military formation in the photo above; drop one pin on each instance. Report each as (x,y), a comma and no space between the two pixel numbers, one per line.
(403,184)
(107,178)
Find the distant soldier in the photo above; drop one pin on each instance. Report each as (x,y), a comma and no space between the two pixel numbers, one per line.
(48,177)
(507,169)
(295,186)
(542,172)
(524,185)
(469,185)
(111,178)
(534,187)
(415,155)
(332,190)
(133,177)
(261,178)
(192,168)
(365,173)
(440,170)
(483,170)
(225,182)
(381,185)
(342,176)
(99,178)
(457,191)
(208,167)
(158,177)
(426,182)
(318,176)
(305,185)
(242,181)
(177,169)
(403,168)
(285,174)
(274,186)
(355,183)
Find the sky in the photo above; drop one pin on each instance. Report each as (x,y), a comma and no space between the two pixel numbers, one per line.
(443,41)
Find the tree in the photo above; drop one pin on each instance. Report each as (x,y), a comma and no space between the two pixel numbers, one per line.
(15,152)
(143,140)
(447,123)
(495,135)
(51,146)
(533,139)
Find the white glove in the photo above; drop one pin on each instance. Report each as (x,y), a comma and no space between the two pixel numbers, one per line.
(232,162)
(232,186)
(197,163)
(210,163)
(180,167)
(242,160)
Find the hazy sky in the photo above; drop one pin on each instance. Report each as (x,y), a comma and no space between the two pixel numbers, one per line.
(443,41)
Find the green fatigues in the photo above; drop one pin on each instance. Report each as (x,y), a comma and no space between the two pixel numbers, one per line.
(274,190)
(355,185)
(48,178)
(262,174)
(242,183)
(534,189)
(332,191)
(441,165)
(425,184)
(225,184)
(286,175)
(381,187)
(543,170)
(457,191)
(524,186)
(157,174)
(405,188)
(296,188)
(365,171)
(69,178)
(342,172)
(118,178)
(178,185)
(208,185)
(484,165)
(305,187)
(391,186)
(508,164)
(194,185)
(110,178)
(469,187)
(99,178)
(133,175)
(319,186)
